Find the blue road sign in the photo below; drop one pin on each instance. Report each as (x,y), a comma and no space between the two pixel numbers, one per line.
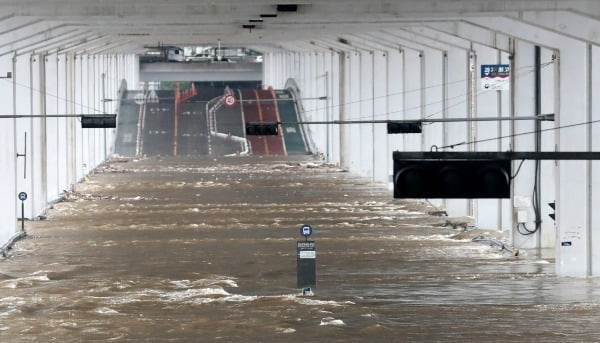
(22,196)
(306,230)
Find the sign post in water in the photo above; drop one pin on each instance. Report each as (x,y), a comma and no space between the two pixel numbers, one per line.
(306,261)
(23,197)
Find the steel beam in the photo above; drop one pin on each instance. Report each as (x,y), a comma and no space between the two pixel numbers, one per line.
(497,155)
(473,33)
(46,45)
(81,44)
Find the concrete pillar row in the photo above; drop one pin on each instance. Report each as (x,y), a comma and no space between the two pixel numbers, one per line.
(413,83)
(22,82)
(59,151)
(462,97)
(576,226)
(37,170)
(8,162)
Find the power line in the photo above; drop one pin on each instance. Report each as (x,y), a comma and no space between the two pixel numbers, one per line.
(544,117)
(57,97)
(404,92)
(452,146)
(19,116)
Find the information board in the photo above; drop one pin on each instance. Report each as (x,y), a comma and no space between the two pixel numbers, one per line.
(306,263)
(495,76)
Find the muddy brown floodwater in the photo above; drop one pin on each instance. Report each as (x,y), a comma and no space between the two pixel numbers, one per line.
(203,250)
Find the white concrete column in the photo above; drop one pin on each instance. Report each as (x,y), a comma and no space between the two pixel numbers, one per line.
(266,71)
(574,193)
(352,140)
(489,213)
(90,150)
(394,103)
(381,77)
(36,150)
(457,106)
(81,96)
(93,80)
(523,105)
(70,103)
(413,95)
(365,112)
(434,90)
(548,169)
(52,127)
(319,81)
(333,104)
(78,108)
(23,92)
(594,183)
(62,124)
(345,68)
(8,163)
(435,75)
(134,67)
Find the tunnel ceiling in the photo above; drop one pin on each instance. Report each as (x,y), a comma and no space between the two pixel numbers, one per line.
(127,26)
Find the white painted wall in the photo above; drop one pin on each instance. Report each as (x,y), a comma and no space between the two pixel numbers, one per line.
(415,82)
(59,152)
(415,72)
(8,168)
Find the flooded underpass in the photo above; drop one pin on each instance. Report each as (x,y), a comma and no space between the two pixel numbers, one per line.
(203,250)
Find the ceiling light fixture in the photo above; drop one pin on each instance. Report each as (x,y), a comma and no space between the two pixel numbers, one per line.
(249,27)
(287,8)
(343,41)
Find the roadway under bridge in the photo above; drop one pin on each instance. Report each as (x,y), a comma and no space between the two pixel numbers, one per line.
(198,122)
(445,64)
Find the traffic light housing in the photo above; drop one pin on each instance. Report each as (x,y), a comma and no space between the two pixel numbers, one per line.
(262,129)
(452,179)
(404,127)
(99,122)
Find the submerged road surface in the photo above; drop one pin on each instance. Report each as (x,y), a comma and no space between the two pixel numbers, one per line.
(203,250)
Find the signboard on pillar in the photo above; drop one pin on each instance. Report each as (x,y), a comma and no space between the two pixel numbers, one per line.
(306,264)
(495,77)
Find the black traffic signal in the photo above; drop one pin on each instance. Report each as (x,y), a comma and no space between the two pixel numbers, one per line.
(262,129)
(453,179)
(553,207)
(99,122)
(404,127)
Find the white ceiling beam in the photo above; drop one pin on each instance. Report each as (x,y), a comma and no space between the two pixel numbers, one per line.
(47,45)
(40,42)
(474,33)
(11,23)
(384,9)
(109,46)
(32,31)
(577,26)
(424,40)
(433,35)
(81,44)
(367,43)
(332,43)
(404,43)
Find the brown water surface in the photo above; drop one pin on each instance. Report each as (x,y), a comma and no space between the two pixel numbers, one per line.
(203,250)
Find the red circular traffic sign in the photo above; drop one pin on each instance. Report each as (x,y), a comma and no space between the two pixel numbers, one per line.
(230,100)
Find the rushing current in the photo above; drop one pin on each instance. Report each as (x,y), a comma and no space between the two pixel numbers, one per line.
(204,250)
